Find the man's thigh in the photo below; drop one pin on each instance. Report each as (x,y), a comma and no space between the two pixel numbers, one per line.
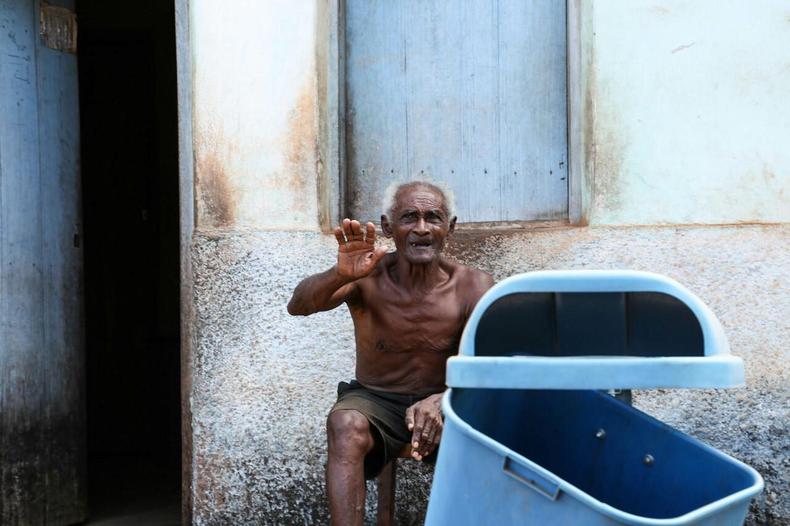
(386,417)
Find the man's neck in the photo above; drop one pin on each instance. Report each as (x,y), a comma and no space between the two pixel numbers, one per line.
(418,278)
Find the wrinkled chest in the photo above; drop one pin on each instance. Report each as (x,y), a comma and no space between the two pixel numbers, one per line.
(418,326)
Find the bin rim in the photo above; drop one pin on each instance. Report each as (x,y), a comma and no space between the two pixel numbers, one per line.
(606,509)
(714,339)
(595,372)
(715,368)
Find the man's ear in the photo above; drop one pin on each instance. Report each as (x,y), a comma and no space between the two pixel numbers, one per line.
(452,224)
(386,228)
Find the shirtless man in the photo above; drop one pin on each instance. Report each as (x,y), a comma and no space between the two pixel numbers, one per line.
(409,308)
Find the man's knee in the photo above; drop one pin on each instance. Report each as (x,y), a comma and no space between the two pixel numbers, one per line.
(349,434)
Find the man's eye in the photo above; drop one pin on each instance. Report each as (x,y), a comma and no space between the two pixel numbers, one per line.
(434,217)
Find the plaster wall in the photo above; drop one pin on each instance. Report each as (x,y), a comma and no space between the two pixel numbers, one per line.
(263,381)
(689,120)
(255,116)
(683,113)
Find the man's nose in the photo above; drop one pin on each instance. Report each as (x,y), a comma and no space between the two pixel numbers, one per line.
(421,227)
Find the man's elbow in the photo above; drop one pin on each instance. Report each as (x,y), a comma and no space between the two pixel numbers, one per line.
(295,309)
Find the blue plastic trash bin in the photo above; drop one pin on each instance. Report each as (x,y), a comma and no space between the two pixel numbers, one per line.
(529,440)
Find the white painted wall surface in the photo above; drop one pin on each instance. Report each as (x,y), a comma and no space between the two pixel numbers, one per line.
(255,114)
(686,107)
(691,111)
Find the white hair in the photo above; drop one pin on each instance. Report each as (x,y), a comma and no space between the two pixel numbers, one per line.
(388,202)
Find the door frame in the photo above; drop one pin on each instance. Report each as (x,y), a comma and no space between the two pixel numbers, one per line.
(331,67)
(186,198)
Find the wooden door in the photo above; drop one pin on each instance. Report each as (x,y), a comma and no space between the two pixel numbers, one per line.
(42,453)
(469,92)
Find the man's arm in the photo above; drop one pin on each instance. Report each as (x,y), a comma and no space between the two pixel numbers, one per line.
(319,292)
(357,256)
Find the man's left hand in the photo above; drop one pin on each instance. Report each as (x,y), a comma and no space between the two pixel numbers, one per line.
(424,420)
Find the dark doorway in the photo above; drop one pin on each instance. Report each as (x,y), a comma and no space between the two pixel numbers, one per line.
(128,114)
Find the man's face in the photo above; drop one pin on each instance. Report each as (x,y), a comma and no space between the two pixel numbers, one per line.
(419,224)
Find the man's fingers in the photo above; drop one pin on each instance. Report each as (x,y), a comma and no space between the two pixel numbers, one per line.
(428,436)
(419,423)
(432,440)
(356,230)
(434,443)
(426,432)
(410,418)
(370,233)
(341,240)
(347,228)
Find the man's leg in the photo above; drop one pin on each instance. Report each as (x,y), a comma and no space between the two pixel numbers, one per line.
(350,439)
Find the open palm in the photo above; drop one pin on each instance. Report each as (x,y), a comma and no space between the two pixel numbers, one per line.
(357,254)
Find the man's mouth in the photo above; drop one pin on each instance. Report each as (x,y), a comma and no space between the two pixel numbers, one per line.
(420,244)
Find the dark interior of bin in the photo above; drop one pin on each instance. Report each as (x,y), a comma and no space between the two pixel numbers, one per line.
(557,430)
(589,324)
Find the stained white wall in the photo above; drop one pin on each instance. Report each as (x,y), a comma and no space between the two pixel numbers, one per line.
(690,111)
(685,102)
(254,113)
(685,119)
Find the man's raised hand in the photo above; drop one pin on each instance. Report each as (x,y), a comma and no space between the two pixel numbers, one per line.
(357,254)
(424,420)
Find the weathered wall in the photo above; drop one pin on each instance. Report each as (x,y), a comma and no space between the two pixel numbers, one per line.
(42,336)
(690,119)
(263,381)
(683,112)
(255,113)
(683,136)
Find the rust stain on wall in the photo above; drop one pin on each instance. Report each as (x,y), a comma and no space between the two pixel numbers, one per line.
(301,146)
(216,199)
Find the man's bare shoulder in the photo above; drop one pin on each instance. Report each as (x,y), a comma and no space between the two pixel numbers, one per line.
(476,280)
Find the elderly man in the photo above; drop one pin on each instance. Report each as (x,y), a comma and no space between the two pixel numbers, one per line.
(409,308)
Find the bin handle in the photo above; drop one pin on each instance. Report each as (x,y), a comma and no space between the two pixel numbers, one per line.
(516,469)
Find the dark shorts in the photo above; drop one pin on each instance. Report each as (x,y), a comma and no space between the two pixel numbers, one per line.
(386,413)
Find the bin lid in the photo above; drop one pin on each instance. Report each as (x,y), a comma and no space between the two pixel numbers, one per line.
(593,329)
